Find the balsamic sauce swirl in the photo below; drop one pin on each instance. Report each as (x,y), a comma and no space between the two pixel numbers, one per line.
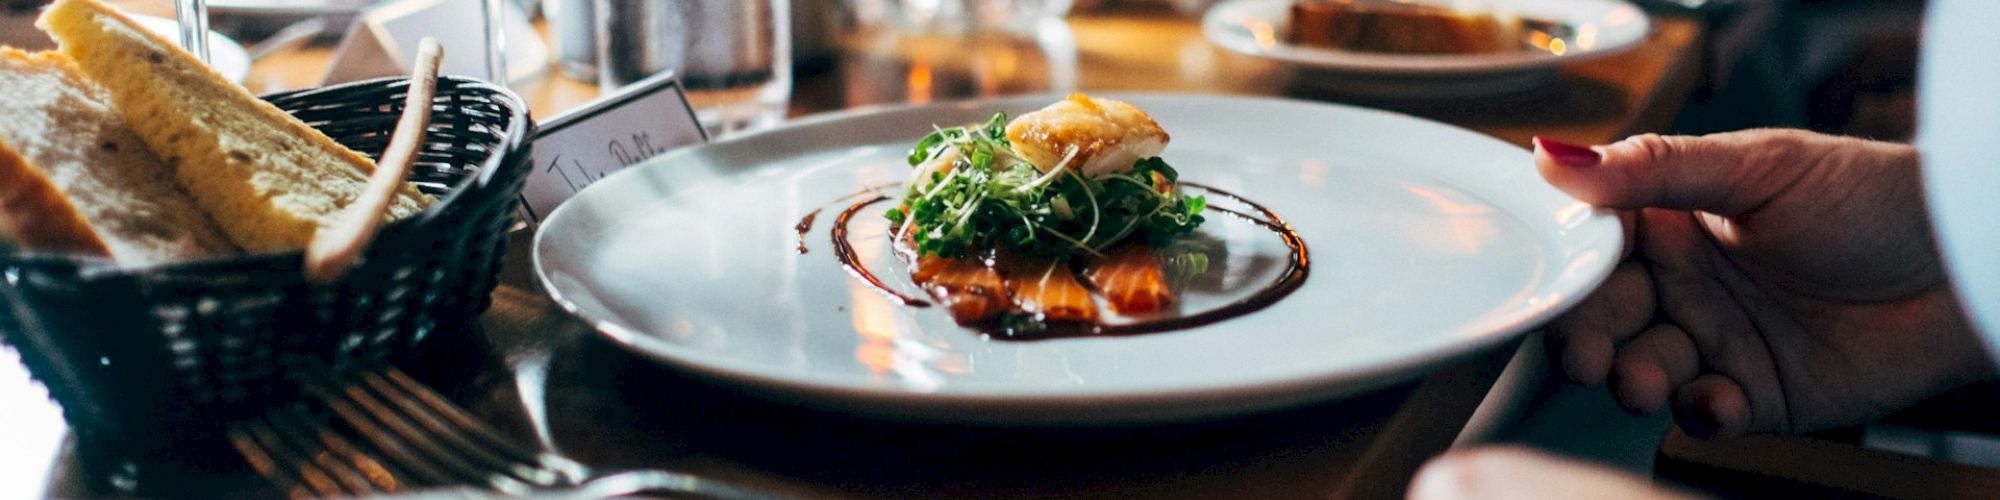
(1293,276)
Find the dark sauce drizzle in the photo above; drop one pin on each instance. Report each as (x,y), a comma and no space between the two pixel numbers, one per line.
(844,250)
(805,224)
(1288,281)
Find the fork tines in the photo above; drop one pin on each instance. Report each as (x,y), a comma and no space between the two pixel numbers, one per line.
(383,432)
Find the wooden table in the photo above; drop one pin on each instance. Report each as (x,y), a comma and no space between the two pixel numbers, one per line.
(609,409)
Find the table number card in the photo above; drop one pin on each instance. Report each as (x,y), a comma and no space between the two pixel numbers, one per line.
(578,148)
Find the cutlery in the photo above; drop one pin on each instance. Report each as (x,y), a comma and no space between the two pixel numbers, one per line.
(383,433)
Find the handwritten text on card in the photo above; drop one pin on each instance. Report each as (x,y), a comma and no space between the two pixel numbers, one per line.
(586,145)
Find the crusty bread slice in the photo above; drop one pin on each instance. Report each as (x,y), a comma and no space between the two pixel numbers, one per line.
(59,135)
(35,215)
(268,179)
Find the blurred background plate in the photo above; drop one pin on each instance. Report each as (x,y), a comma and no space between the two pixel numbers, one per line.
(1427,243)
(287,7)
(1594,29)
(226,56)
(257,19)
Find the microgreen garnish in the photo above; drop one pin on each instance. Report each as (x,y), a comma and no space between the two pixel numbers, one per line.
(976,194)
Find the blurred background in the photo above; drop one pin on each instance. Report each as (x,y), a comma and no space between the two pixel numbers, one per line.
(1841,66)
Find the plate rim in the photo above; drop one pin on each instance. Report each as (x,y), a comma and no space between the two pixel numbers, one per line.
(1214,28)
(1175,404)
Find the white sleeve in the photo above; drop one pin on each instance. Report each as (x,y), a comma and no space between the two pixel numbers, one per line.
(1959,134)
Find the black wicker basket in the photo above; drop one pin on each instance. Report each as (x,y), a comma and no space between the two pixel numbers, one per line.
(172,353)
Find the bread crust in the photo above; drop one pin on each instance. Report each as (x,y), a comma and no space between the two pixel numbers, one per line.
(36,215)
(267,178)
(67,143)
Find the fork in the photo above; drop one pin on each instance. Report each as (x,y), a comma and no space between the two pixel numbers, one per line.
(396,435)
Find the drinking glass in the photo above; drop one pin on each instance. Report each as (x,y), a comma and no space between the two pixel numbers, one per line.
(494,28)
(889,64)
(733,57)
(960,17)
(193,18)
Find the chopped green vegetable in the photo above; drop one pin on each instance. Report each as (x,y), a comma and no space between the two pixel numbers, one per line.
(987,197)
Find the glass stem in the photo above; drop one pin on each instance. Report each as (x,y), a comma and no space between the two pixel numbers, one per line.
(193,18)
(496,42)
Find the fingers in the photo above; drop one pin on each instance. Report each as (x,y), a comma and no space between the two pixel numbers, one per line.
(1511,473)
(1690,276)
(1723,173)
(1582,341)
(1651,366)
(1629,221)
(1712,406)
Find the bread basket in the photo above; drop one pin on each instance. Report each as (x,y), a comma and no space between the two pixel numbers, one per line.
(154,356)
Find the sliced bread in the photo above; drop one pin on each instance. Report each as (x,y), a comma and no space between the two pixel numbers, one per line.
(267,178)
(59,135)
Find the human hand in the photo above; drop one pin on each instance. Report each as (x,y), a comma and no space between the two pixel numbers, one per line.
(1502,473)
(1777,281)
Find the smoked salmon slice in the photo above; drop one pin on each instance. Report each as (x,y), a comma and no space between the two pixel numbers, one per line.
(973,292)
(1132,280)
(1047,290)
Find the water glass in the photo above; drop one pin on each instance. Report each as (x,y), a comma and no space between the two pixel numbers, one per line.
(960,17)
(890,65)
(734,57)
(573,35)
(193,18)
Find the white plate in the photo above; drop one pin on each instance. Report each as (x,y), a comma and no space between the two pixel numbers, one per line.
(226,56)
(1427,243)
(1600,28)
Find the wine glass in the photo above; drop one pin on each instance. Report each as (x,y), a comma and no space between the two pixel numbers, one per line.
(496,41)
(193,18)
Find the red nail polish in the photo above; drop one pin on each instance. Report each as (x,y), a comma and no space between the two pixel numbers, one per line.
(1568,155)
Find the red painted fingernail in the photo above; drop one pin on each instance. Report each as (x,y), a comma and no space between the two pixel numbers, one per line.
(1568,155)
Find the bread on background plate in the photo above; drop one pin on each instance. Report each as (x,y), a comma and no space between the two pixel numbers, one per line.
(266,178)
(74,178)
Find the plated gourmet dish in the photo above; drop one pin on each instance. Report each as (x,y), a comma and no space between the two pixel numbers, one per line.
(1061,220)
(1402,27)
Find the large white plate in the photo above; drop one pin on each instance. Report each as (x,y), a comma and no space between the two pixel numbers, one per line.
(1599,28)
(1427,243)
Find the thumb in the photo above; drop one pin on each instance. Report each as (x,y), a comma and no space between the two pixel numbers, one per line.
(1725,174)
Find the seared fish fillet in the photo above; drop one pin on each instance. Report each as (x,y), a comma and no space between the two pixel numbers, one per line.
(1108,136)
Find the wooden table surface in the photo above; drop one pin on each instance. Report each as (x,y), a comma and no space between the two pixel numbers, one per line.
(612,410)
